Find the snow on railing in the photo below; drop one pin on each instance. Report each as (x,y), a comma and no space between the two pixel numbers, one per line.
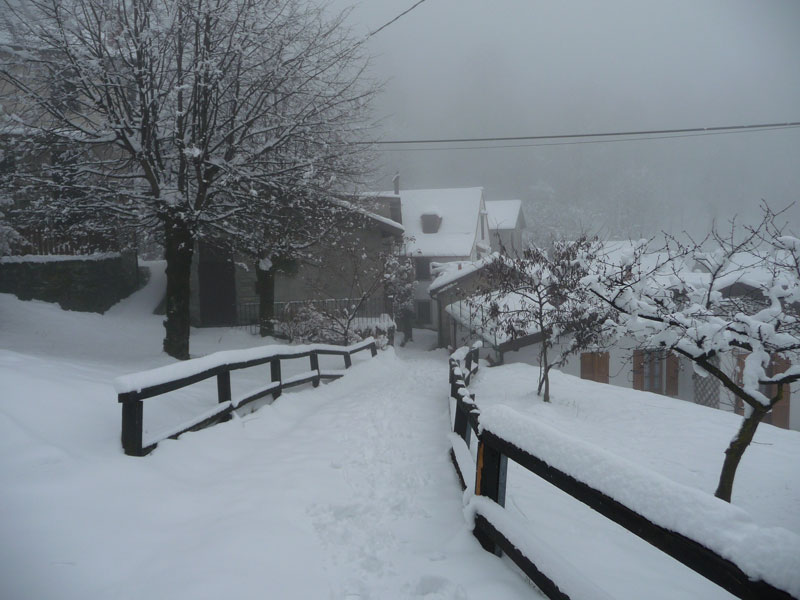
(717,540)
(134,388)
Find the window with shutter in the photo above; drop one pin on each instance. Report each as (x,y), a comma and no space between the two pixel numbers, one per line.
(594,366)
(648,371)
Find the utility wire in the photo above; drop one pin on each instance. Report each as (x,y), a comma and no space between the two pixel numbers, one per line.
(651,132)
(596,141)
(402,14)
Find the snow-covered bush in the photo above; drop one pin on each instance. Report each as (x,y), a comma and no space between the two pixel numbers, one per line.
(308,323)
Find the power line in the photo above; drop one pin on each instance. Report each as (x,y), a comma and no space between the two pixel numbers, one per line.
(651,132)
(402,14)
(594,141)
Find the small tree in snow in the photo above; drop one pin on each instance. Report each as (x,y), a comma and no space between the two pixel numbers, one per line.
(743,299)
(539,293)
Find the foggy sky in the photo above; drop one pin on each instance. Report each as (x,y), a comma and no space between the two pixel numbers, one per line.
(476,68)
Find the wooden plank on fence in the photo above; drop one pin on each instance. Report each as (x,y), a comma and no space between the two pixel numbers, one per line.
(490,481)
(300,379)
(331,373)
(171,386)
(252,396)
(132,422)
(275,375)
(485,530)
(219,414)
(314,360)
(224,387)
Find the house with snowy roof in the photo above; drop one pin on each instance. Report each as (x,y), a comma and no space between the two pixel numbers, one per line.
(441,225)
(506,223)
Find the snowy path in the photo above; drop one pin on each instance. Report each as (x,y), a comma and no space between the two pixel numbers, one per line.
(345,491)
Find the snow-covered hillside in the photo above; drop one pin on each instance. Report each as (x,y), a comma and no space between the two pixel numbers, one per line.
(344,491)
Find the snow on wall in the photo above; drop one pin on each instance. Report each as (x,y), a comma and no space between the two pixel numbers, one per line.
(724,528)
(47,258)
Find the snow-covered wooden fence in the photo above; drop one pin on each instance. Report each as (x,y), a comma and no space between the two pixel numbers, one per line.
(134,388)
(717,540)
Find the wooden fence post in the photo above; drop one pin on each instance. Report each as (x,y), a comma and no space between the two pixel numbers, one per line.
(275,375)
(314,358)
(348,360)
(224,386)
(373,349)
(132,422)
(490,481)
(460,423)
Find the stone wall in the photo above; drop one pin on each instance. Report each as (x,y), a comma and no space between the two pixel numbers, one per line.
(85,283)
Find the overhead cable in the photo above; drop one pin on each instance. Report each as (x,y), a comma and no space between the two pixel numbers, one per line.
(648,132)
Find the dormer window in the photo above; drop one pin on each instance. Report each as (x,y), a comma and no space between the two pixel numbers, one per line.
(431,221)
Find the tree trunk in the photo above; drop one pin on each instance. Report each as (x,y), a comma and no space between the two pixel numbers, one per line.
(544,374)
(735,452)
(265,282)
(179,245)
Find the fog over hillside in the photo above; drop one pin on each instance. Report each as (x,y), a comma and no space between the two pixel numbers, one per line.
(471,68)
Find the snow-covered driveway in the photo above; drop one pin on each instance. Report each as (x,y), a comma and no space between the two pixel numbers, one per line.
(345,491)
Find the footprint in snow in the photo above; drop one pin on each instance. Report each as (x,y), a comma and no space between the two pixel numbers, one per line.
(433,587)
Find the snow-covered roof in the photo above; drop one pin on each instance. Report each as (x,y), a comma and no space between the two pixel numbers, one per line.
(451,272)
(472,314)
(503,214)
(382,222)
(745,268)
(460,211)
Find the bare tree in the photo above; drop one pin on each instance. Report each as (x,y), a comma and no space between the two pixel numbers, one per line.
(539,293)
(735,293)
(198,119)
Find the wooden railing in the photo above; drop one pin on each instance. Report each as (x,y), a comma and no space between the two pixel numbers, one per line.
(133,389)
(491,526)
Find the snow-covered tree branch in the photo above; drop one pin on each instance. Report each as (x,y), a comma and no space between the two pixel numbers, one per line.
(205,120)
(735,293)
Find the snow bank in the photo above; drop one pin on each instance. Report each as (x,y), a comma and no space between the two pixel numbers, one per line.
(722,527)
(46,258)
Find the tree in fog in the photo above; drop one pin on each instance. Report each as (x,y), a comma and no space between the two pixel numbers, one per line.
(217,120)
